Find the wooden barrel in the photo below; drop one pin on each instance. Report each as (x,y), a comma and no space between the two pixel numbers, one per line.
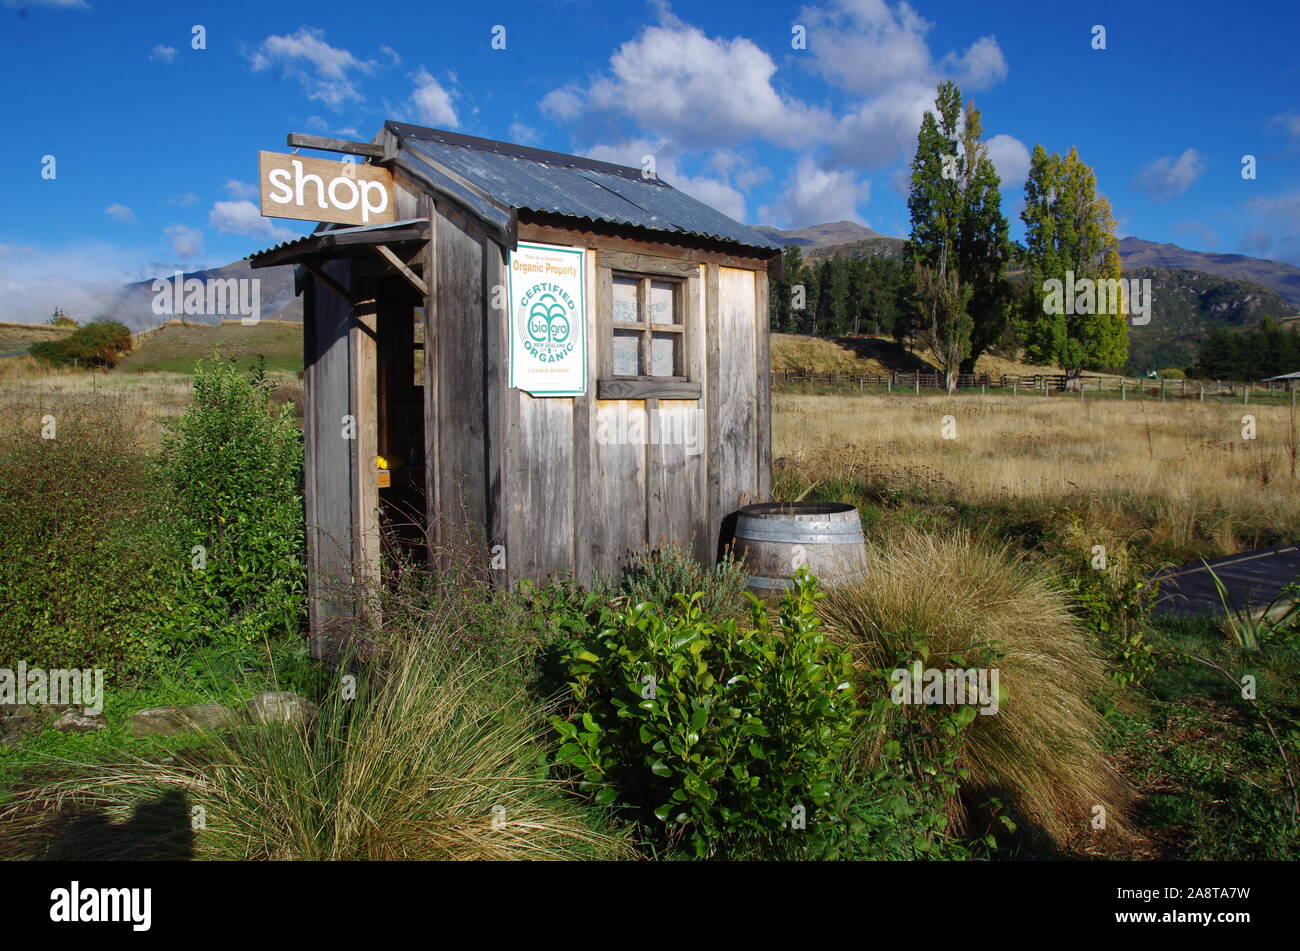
(775,538)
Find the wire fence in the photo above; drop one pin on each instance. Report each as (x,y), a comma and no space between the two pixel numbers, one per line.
(1046,384)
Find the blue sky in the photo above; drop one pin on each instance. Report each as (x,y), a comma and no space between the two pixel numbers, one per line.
(155,142)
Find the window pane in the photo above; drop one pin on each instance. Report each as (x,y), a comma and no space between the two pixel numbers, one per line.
(625,352)
(625,299)
(663,349)
(661,303)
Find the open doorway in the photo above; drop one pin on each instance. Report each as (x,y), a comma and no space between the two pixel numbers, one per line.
(399,379)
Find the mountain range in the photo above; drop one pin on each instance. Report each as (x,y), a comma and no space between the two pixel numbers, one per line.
(1193,290)
(853,240)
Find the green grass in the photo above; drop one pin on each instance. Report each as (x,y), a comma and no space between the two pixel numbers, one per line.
(204,675)
(1210,776)
(178,347)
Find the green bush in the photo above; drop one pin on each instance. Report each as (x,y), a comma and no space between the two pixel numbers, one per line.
(722,741)
(88,566)
(667,571)
(235,471)
(896,797)
(1113,597)
(98,344)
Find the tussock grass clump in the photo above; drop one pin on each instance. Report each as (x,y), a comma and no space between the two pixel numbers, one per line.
(422,763)
(1040,753)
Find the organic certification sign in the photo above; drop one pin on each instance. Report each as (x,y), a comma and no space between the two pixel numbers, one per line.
(548,321)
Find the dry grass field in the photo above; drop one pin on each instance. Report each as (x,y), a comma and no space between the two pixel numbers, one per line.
(15,337)
(1180,472)
(147,400)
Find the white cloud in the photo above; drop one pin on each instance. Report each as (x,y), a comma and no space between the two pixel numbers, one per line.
(120,213)
(391,53)
(162,54)
(325,72)
(237,189)
(882,54)
(431,102)
(183,200)
(1011,158)
(187,242)
(979,67)
(1257,243)
(242,217)
(883,129)
(675,81)
(867,47)
(717,192)
(1167,177)
(1290,123)
(81,278)
(815,195)
(714,193)
(523,134)
(1279,235)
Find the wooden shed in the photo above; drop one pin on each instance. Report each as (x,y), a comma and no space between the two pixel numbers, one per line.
(561,361)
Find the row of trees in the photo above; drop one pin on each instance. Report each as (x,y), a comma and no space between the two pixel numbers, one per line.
(843,296)
(953,290)
(1263,351)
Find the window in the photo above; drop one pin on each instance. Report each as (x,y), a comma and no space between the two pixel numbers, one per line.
(648,332)
(651,340)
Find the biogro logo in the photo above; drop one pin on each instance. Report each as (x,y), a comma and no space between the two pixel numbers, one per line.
(547,333)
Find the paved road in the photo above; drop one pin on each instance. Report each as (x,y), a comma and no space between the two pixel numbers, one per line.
(1253,578)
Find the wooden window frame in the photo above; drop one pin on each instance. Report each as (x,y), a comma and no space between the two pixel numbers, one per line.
(646,270)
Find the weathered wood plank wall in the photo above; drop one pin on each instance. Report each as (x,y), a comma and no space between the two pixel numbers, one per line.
(328,481)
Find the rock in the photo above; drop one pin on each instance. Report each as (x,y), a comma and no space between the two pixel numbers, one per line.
(18,720)
(169,721)
(280,706)
(78,721)
(210,716)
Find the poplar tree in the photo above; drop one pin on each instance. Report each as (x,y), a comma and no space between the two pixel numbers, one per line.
(1069,230)
(958,246)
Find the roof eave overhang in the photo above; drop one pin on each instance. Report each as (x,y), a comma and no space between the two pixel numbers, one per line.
(340,243)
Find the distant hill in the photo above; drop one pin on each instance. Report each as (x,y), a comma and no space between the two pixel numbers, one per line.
(1192,290)
(817,236)
(133,305)
(178,346)
(16,338)
(1282,279)
(879,246)
(1185,305)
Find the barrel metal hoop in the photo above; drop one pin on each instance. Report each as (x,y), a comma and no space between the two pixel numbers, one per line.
(820,526)
(804,538)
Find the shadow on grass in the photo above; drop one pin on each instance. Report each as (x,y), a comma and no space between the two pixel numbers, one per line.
(157,831)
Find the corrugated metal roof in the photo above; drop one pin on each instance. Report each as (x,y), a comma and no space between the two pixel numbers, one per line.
(334,231)
(553,183)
